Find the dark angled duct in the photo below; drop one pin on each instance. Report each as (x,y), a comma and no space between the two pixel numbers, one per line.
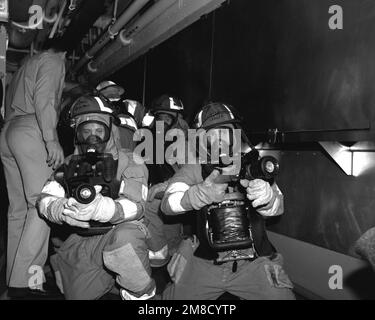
(81,23)
(19,13)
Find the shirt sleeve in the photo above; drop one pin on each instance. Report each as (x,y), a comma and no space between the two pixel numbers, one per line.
(173,201)
(47,95)
(131,202)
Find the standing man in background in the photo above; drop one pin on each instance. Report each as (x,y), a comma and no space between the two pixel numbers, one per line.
(30,151)
(168,111)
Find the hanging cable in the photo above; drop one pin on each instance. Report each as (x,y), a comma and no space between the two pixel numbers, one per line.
(212,55)
(144,80)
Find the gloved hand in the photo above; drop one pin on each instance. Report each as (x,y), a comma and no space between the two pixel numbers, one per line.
(61,211)
(258,191)
(100,209)
(55,156)
(156,189)
(206,192)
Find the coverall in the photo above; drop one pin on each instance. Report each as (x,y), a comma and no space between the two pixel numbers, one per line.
(31,115)
(199,278)
(165,229)
(167,236)
(87,267)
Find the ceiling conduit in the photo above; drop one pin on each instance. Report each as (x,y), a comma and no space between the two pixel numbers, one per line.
(111,32)
(124,38)
(173,19)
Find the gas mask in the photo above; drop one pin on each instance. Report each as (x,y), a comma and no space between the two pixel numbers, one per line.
(161,122)
(220,148)
(169,119)
(92,136)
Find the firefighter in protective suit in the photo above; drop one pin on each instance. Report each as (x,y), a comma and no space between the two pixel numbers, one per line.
(109,242)
(167,110)
(130,112)
(248,268)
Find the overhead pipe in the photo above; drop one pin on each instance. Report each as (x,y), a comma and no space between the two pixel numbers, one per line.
(111,32)
(124,38)
(120,41)
(151,14)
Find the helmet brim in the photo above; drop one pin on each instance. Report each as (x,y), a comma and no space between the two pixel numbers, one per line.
(112,91)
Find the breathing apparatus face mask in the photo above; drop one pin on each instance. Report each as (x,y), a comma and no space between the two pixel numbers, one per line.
(92,136)
(168,119)
(221,147)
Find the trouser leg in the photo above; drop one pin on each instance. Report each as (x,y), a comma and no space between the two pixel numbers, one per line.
(79,269)
(87,265)
(156,242)
(28,148)
(263,279)
(193,278)
(173,234)
(17,203)
(126,254)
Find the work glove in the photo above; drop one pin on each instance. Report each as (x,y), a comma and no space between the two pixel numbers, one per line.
(100,209)
(205,193)
(61,211)
(157,191)
(258,191)
(55,157)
